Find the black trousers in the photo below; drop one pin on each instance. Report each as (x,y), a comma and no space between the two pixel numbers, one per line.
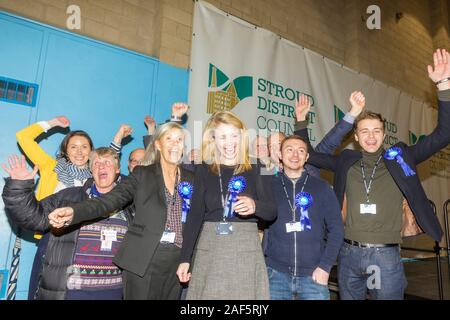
(160,281)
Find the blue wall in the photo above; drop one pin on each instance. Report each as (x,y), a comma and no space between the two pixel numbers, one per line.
(96,85)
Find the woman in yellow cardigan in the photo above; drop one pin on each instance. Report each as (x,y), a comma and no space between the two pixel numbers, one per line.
(69,169)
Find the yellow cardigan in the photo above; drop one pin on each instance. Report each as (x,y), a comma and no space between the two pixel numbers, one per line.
(48,177)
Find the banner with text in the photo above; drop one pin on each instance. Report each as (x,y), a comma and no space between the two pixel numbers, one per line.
(258,75)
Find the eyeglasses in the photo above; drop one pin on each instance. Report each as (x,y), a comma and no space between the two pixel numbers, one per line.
(134,161)
(106,163)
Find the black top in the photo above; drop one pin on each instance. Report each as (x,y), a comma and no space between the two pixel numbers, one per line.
(207,202)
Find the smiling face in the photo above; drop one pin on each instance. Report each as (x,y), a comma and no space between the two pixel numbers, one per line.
(104,171)
(227,139)
(294,154)
(78,149)
(171,146)
(370,134)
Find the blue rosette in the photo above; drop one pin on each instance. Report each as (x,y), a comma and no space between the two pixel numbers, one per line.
(304,200)
(185,190)
(235,186)
(395,153)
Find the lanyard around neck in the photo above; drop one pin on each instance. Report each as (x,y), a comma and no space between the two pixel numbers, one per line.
(222,197)
(292,205)
(368,185)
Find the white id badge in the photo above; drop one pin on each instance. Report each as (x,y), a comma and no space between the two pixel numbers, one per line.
(107,237)
(370,208)
(168,237)
(293,227)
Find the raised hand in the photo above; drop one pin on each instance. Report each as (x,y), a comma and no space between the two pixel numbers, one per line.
(358,102)
(60,121)
(441,69)
(151,125)
(124,131)
(60,217)
(18,168)
(179,109)
(302,107)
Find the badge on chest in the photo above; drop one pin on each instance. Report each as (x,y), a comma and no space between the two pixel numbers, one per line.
(168,237)
(293,226)
(107,236)
(368,208)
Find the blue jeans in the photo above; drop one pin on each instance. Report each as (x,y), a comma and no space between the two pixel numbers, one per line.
(378,271)
(284,286)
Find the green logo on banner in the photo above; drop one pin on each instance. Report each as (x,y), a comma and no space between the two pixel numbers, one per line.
(413,139)
(225,94)
(338,114)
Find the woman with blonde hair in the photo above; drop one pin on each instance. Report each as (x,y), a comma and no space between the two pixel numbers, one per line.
(150,252)
(229,199)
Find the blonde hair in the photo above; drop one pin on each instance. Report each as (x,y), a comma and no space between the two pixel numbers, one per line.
(209,147)
(102,152)
(152,154)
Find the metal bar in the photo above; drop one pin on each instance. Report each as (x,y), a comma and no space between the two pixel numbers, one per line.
(437,251)
(447,237)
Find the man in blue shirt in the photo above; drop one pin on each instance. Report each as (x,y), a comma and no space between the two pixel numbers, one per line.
(304,241)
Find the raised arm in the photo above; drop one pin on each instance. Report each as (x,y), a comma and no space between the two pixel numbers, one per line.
(19,199)
(26,140)
(334,137)
(440,137)
(150,123)
(319,160)
(123,132)
(178,115)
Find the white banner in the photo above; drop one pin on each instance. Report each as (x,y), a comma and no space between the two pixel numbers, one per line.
(258,75)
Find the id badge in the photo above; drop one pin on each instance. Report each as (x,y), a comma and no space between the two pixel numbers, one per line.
(370,208)
(293,227)
(224,228)
(107,236)
(168,237)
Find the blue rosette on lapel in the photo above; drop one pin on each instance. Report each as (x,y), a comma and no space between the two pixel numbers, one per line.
(185,191)
(304,200)
(235,186)
(395,153)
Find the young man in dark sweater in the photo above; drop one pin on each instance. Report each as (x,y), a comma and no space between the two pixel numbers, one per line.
(379,189)
(304,241)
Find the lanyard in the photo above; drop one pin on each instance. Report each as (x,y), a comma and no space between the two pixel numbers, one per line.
(222,197)
(292,206)
(368,185)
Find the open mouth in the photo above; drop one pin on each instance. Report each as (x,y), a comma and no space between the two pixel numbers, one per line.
(371,143)
(174,153)
(103,176)
(230,151)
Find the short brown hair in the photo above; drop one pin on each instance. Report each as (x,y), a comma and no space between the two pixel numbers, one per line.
(293,137)
(367,114)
